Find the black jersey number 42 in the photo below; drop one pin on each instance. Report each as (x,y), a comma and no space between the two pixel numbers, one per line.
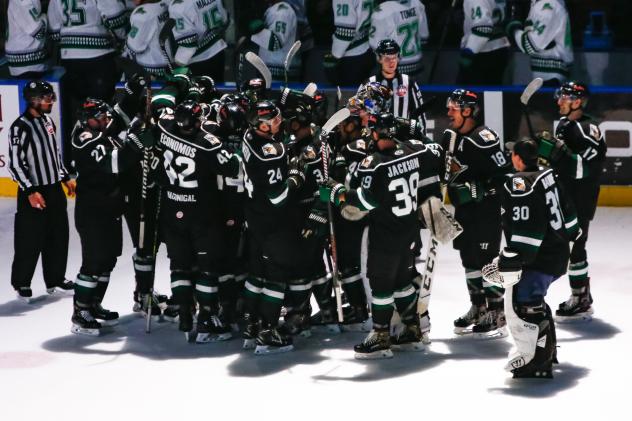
(180,170)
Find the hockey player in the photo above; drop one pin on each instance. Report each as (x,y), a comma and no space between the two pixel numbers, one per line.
(350,61)
(89,35)
(577,154)
(142,45)
(477,165)
(26,39)
(199,33)
(546,37)
(275,35)
(393,180)
(406,100)
(191,158)
(100,158)
(484,46)
(538,222)
(272,227)
(406,24)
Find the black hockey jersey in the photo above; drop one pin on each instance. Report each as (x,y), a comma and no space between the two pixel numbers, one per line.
(588,147)
(538,220)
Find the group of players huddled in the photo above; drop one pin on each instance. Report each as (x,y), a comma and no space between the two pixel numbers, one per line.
(245,189)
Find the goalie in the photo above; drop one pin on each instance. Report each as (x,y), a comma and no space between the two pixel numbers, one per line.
(539,223)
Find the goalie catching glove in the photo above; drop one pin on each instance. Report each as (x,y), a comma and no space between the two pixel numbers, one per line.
(439,220)
(505,270)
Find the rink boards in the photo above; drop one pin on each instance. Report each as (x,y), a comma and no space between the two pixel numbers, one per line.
(501,111)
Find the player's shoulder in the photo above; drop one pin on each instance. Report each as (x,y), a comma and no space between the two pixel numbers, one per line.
(207,138)
(181,8)
(311,153)
(261,149)
(357,147)
(86,136)
(483,137)
(525,182)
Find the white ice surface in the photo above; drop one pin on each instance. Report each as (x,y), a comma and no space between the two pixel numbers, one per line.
(47,373)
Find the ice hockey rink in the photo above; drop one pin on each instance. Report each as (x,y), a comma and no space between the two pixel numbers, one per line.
(47,373)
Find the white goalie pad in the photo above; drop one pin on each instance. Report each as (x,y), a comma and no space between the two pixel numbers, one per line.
(524,335)
(505,279)
(439,220)
(351,213)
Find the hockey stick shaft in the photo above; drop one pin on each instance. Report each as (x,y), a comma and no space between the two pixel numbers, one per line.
(288,59)
(164,35)
(444,33)
(528,92)
(261,67)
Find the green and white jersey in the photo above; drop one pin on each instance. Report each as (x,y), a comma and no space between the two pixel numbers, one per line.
(276,39)
(87,28)
(546,38)
(405,22)
(352,19)
(483,29)
(199,29)
(142,44)
(26,37)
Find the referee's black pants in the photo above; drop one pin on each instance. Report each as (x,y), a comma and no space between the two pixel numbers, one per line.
(42,232)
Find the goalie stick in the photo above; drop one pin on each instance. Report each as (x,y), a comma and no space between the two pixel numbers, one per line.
(288,59)
(261,67)
(333,121)
(528,92)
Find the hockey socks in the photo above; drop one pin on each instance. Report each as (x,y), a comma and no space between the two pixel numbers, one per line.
(382,310)
(143,271)
(272,296)
(85,289)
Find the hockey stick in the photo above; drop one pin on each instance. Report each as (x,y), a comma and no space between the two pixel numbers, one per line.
(289,57)
(333,121)
(165,34)
(444,33)
(310,89)
(425,283)
(528,92)
(338,97)
(258,64)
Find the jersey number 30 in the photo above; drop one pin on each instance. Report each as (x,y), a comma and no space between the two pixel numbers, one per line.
(405,194)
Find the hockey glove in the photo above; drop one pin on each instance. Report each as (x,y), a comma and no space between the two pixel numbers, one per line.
(332,191)
(316,224)
(505,270)
(136,84)
(181,78)
(463,193)
(511,29)
(552,149)
(134,143)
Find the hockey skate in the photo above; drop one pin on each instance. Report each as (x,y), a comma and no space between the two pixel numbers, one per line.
(104,316)
(326,318)
(462,325)
(576,308)
(185,318)
(65,288)
(171,312)
(356,319)
(25,294)
(424,325)
(141,305)
(377,345)
(83,323)
(296,323)
(250,332)
(409,339)
(271,341)
(492,325)
(210,328)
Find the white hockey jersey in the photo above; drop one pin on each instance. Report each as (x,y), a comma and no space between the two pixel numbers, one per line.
(142,44)
(276,39)
(199,29)
(352,19)
(26,37)
(87,28)
(546,38)
(483,29)
(405,22)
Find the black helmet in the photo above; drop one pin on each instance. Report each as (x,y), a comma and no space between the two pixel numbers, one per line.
(319,108)
(232,118)
(207,86)
(387,47)
(238,99)
(254,89)
(384,124)
(464,98)
(263,112)
(296,106)
(38,89)
(92,108)
(574,90)
(188,114)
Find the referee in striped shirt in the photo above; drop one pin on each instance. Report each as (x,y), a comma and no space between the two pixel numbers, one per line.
(407,100)
(41,220)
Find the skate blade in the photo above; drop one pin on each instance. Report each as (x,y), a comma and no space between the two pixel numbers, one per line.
(108,323)
(539,374)
(580,317)
(269,350)
(203,338)
(377,355)
(78,330)
(364,326)
(410,347)
(494,334)
(249,344)
(331,328)
(60,292)
(425,339)
(461,331)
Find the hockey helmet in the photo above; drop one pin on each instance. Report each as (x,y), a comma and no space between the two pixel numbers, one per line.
(464,98)
(207,87)
(573,90)
(236,98)
(188,115)
(387,47)
(319,108)
(232,118)
(263,112)
(254,89)
(296,106)
(93,108)
(38,89)
(383,124)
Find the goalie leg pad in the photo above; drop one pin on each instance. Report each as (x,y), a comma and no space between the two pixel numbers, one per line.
(439,220)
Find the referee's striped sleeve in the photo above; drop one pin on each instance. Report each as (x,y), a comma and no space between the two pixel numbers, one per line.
(17,158)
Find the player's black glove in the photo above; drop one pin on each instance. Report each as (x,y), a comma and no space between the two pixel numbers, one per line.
(296,174)
(316,224)
(136,84)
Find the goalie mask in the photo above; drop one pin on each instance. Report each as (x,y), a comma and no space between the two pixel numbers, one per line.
(372,97)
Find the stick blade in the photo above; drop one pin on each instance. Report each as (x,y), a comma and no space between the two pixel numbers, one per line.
(530,89)
(256,61)
(338,117)
(290,55)
(310,89)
